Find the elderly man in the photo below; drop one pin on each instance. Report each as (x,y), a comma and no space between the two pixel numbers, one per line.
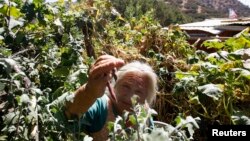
(91,104)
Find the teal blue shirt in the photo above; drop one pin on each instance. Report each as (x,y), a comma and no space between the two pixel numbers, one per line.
(91,121)
(94,119)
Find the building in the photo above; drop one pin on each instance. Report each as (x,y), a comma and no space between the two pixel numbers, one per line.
(217,28)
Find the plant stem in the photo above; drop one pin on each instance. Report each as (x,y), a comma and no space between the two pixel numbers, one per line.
(137,127)
(19,116)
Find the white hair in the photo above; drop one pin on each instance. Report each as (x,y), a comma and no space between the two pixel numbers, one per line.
(145,68)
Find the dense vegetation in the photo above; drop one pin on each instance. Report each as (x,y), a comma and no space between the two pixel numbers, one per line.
(199,10)
(46,52)
(165,13)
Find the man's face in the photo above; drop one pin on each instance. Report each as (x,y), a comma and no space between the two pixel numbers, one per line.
(133,83)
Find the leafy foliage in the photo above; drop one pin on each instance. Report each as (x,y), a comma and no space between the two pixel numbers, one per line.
(165,13)
(43,55)
(217,84)
(136,126)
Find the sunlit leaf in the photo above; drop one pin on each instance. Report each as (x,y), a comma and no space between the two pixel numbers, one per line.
(15,12)
(246,64)
(3,9)
(213,44)
(218,55)
(58,23)
(38,2)
(36,91)
(193,121)
(229,65)
(240,119)
(159,134)
(3,137)
(10,118)
(181,75)
(132,119)
(208,65)
(24,99)
(17,83)
(79,75)
(11,128)
(195,100)
(245,73)
(211,90)
(13,23)
(87,138)
(1,30)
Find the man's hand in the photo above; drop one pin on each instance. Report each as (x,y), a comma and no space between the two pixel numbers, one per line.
(100,73)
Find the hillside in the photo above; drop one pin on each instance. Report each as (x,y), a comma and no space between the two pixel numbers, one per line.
(203,9)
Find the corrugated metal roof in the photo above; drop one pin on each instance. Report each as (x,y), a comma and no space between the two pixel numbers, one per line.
(212,25)
(217,22)
(206,29)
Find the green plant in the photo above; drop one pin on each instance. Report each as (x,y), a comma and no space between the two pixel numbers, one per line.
(217,84)
(136,126)
(40,58)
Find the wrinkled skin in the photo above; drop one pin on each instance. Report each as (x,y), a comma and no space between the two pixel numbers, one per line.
(133,83)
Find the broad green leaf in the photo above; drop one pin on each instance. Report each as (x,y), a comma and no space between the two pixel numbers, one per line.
(180,75)
(229,65)
(15,12)
(61,72)
(194,100)
(195,67)
(3,9)
(38,2)
(61,2)
(211,90)
(178,120)
(110,126)
(132,119)
(213,44)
